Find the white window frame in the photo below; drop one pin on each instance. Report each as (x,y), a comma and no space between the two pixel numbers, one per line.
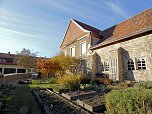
(72,53)
(130,64)
(143,67)
(65,52)
(84,49)
(106,65)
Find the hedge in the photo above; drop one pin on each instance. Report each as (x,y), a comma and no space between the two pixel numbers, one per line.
(129,101)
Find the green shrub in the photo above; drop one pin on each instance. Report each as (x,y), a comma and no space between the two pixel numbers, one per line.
(144,84)
(96,81)
(69,82)
(129,101)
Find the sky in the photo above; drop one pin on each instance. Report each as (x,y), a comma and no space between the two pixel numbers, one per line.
(40,25)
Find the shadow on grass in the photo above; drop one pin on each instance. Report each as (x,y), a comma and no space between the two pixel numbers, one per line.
(22,101)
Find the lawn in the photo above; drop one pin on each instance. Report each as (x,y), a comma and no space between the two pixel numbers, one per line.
(22,101)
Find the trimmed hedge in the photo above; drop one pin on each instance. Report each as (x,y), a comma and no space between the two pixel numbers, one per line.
(129,101)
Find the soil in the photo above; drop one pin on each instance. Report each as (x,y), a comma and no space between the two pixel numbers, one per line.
(59,105)
(82,92)
(95,101)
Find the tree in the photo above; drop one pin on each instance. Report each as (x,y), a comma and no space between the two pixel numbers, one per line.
(26,58)
(65,62)
(48,66)
(56,66)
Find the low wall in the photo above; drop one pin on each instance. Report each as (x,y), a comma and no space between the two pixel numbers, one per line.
(14,77)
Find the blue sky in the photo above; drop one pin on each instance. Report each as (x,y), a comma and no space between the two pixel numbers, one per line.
(39,25)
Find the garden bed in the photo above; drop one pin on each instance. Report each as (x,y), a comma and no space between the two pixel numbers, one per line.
(79,94)
(93,104)
(55,104)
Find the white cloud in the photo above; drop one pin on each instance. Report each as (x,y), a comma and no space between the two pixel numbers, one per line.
(76,9)
(117,8)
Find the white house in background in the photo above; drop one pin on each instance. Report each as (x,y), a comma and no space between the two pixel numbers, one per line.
(8,64)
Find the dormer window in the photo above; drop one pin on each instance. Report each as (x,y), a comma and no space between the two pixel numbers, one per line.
(72,51)
(82,48)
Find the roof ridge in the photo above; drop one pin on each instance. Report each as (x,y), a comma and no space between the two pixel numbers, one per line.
(129,18)
(78,22)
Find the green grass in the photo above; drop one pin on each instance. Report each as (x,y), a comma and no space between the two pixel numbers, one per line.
(55,87)
(21,101)
(41,86)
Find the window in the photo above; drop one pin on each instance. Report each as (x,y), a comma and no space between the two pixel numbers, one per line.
(82,64)
(0,60)
(1,70)
(131,65)
(9,60)
(21,70)
(72,50)
(9,70)
(83,48)
(65,53)
(141,63)
(106,66)
(102,66)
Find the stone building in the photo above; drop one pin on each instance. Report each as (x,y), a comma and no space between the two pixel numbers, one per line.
(124,51)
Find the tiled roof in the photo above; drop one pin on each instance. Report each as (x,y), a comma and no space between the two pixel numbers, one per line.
(133,26)
(88,27)
(6,55)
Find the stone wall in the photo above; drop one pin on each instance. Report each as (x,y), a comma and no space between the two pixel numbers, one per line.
(15,77)
(140,47)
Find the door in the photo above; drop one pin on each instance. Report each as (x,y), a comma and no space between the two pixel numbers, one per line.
(113,71)
(114,68)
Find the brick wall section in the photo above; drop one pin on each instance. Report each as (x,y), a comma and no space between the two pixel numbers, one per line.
(132,49)
(77,47)
(72,34)
(15,77)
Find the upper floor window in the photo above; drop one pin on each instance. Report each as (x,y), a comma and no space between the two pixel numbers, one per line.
(72,51)
(131,65)
(141,63)
(9,60)
(83,48)
(65,53)
(0,60)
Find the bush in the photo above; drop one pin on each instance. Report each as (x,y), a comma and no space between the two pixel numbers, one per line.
(85,80)
(144,84)
(69,82)
(96,81)
(106,81)
(129,101)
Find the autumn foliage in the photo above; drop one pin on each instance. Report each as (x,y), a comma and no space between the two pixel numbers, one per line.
(55,66)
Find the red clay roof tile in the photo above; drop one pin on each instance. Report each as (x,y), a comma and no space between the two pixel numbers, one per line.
(132,26)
